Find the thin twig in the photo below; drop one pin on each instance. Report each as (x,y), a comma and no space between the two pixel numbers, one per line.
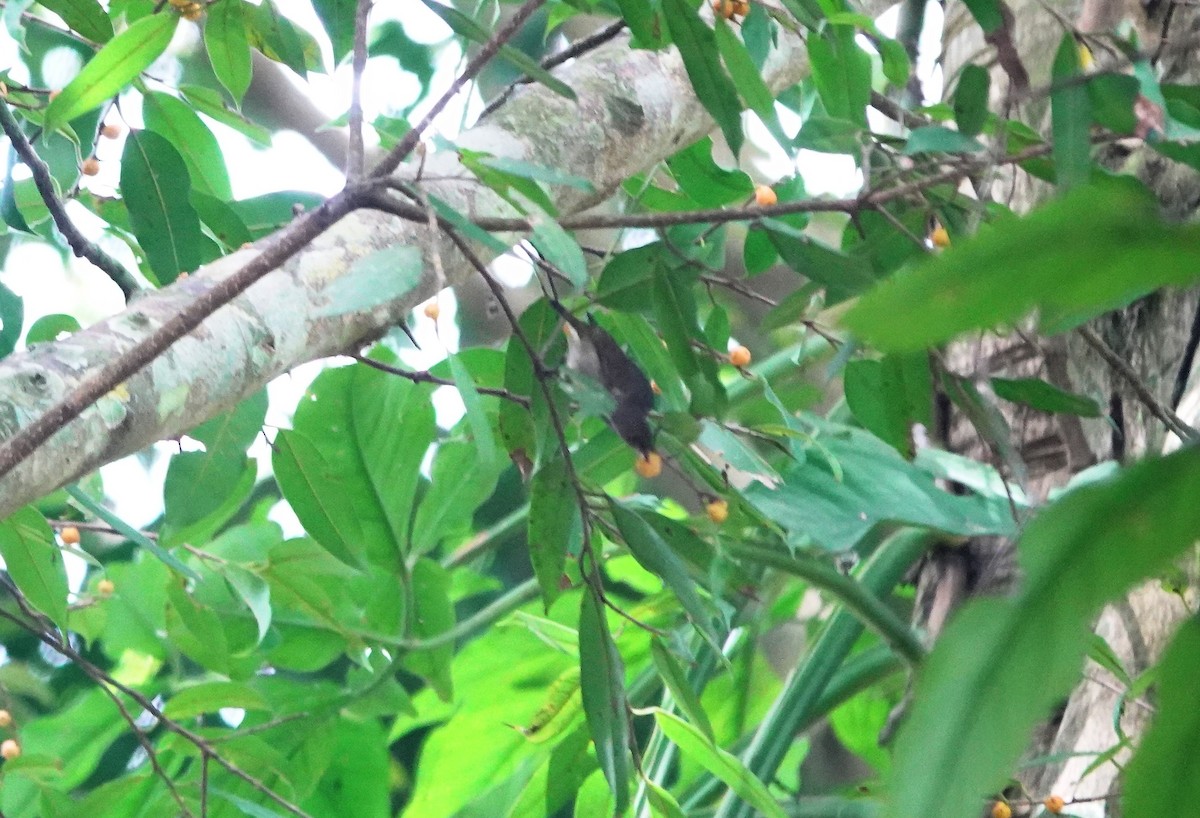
(400,152)
(354,151)
(424,376)
(101,381)
(576,49)
(45,185)
(1172,421)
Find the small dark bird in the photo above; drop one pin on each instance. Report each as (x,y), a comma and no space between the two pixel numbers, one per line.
(593,352)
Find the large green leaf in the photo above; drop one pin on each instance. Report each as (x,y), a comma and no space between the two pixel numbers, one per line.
(842,73)
(1098,247)
(114,66)
(182,127)
(747,80)
(433,614)
(1002,663)
(155,183)
(1166,770)
(698,47)
(338,17)
(459,484)
(971,100)
(86,17)
(554,527)
(1070,117)
(35,563)
(228,46)
(602,677)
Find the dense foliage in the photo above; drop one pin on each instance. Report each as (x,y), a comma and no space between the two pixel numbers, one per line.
(518,614)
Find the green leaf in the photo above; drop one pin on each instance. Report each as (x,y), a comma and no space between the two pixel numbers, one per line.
(602,678)
(477,418)
(12,319)
(554,529)
(559,248)
(255,592)
(875,485)
(129,532)
(1070,117)
(698,47)
(373,280)
(645,22)
(209,697)
(971,100)
(209,102)
(686,699)
(85,17)
(1112,98)
(746,79)
(46,328)
(841,71)
(1044,396)
(1165,773)
(229,47)
(464,26)
(704,181)
(115,65)
(540,323)
(459,483)
(889,396)
(154,182)
(693,744)
(987,13)
(322,502)
(828,135)
(662,803)
(338,18)
(1098,247)
(938,139)
(1002,663)
(35,563)
(842,276)
(220,218)
(433,615)
(279,39)
(653,554)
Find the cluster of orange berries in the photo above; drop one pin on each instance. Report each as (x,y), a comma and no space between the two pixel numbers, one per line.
(91,165)
(1054,805)
(731,8)
(188,9)
(10,748)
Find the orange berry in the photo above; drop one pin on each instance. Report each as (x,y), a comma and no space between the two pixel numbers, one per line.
(741,7)
(1054,804)
(740,356)
(5,718)
(723,8)
(1001,810)
(105,587)
(432,310)
(9,749)
(649,465)
(90,166)
(718,511)
(111,130)
(764,196)
(939,237)
(70,535)
(192,12)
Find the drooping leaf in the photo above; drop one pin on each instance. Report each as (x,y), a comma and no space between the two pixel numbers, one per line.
(698,46)
(602,676)
(35,563)
(842,73)
(1002,663)
(747,79)
(154,181)
(676,681)
(228,46)
(120,60)
(971,100)
(338,17)
(554,527)
(1044,396)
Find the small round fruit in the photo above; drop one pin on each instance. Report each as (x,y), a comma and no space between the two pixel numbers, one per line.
(90,166)
(432,310)
(939,237)
(1054,804)
(111,130)
(649,465)
(740,356)
(5,718)
(9,749)
(723,8)
(741,7)
(192,12)
(764,196)
(718,511)
(70,535)
(1001,810)
(105,587)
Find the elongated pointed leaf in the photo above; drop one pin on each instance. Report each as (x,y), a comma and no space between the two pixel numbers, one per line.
(553,526)
(602,678)
(35,563)
(85,17)
(1070,117)
(698,46)
(228,46)
(114,66)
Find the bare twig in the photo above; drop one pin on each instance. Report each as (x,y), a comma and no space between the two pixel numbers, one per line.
(400,152)
(424,376)
(101,381)
(354,157)
(45,185)
(1172,421)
